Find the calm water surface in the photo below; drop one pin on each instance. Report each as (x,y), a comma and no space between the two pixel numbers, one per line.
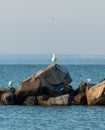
(52,118)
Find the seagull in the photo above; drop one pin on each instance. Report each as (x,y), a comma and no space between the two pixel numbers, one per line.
(88,80)
(10,84)
(61,89)
(53,58)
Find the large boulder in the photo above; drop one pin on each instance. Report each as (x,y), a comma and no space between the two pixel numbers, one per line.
(49,80)
(58,101)
(96,94)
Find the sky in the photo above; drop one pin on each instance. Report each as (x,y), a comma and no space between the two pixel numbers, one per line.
(52,26)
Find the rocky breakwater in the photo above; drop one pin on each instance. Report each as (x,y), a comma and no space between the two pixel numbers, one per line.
(49,86)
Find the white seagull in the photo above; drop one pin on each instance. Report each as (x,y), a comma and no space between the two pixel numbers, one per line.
(53,58)
(10,84)
(88,80)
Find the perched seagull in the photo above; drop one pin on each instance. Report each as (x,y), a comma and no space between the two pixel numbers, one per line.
(53,58)
(10,84)
(61,89)
(88,80)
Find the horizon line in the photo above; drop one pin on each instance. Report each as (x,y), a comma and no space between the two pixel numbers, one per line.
(55,53)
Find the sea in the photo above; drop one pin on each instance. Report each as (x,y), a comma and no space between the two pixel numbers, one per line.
(16,68)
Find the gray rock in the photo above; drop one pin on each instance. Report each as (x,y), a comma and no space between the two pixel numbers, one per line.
(50,79)
(30,101)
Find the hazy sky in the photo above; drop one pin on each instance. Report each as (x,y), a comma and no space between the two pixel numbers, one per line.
(52,26)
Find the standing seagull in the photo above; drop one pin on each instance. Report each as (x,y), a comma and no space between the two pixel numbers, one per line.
(10,84)
(53,58)
(88,80)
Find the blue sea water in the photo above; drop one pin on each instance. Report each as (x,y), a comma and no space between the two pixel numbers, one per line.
(51,118)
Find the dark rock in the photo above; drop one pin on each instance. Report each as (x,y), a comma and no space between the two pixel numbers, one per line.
(2,90)
(7,99)
(10,89)
(27,89)
(80,94)
(82,88)
(80,99)
(43,99)
(46,81)
(68,90)
(30,101)
(52,90)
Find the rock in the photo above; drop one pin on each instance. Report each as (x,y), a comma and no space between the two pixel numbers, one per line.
(82,88)
(30,101)
(26,89)
(102,80)
(80,99)
(53,91)
(80,94)
(6,90)
(96,94)
(10,89)
(58,101)
(68,90)
(43,100)
(2,90)
(7,99)
(46,81)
